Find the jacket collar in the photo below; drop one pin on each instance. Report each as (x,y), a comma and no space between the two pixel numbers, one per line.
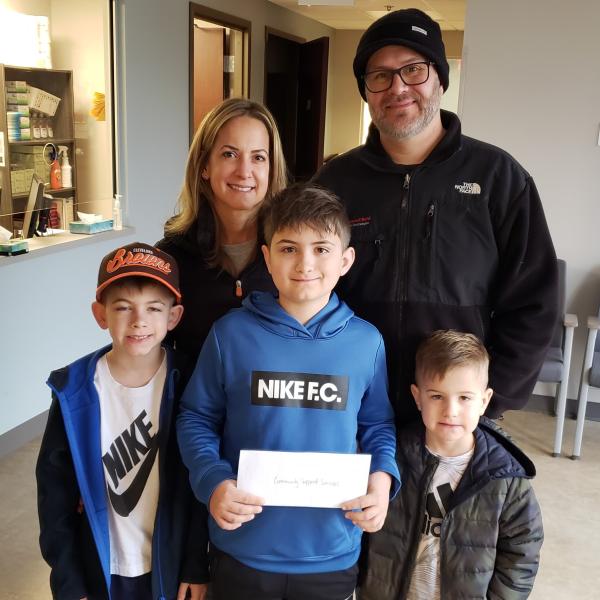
(71,379)
(199,239)
(377,158)
(328,322)
(495,456)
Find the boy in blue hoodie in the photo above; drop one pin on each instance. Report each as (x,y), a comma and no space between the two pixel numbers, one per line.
(304,334)
(118,520)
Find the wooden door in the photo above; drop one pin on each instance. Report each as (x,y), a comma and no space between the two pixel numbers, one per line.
(208,71)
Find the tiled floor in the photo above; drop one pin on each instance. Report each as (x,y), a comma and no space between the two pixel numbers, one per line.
(568,491)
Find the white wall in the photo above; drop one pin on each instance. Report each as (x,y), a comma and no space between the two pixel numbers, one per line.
(347,102)
(45,321)
(532,86)
(37,8)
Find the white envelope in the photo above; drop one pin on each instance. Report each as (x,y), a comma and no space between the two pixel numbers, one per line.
(311,479)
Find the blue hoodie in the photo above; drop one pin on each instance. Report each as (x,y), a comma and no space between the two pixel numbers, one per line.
(244,394)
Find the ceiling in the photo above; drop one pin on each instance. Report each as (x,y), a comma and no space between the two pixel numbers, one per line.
(450,14)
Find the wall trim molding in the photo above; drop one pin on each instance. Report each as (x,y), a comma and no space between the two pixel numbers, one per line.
(545,404)
(21,434)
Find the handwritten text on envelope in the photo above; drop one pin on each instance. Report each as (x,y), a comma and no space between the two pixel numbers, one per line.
(313,479)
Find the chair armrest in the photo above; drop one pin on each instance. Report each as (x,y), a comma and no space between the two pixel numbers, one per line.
(570,320)
(593,322)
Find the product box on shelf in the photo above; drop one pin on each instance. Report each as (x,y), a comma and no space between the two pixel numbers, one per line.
(43,101)
(17,98)
(36,150)
(63,211)
(28,160)
(22,109)
(68,210)
(16,86)
(20,180)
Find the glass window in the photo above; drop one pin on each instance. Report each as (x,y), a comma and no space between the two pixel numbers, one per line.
(56,121)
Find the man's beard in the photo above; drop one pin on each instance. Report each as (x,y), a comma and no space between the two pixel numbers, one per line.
(398,128)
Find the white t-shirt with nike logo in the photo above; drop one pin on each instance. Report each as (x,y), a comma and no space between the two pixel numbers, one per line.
(129,437)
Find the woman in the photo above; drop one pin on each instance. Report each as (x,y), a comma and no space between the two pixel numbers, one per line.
(235,162)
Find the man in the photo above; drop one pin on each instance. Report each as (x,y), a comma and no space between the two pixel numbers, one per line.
(449,231)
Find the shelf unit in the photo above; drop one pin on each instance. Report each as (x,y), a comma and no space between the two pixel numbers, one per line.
(56,82)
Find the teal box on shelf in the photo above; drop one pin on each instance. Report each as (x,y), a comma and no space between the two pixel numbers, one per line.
(81,227)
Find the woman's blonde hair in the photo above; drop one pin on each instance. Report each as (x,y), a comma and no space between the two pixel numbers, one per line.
(196,192)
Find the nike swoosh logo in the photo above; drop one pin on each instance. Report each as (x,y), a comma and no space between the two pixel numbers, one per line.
(124,503)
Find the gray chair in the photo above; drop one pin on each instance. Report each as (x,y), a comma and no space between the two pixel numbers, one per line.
(590,376)
(558,358)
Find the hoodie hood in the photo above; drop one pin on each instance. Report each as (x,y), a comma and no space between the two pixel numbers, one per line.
(496,456)
(505,458)
(328,322)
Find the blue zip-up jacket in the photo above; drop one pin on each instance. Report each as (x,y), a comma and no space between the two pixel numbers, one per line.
(75,542)
(239,397)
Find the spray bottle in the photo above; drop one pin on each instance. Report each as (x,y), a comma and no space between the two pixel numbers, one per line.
(55,173)
(117,213)
(66,170)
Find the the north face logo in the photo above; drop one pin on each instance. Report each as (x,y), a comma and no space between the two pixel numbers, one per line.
(468,188)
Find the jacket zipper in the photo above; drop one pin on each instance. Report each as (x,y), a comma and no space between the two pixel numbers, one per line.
(404,214)
(428,244)
(238,288)
(166,409)
(428,474)
(429,221)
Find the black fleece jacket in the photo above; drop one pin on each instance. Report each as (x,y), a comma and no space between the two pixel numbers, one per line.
(457,242)
(207,292)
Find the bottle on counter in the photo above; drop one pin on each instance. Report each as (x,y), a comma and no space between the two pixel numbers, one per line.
(117,213)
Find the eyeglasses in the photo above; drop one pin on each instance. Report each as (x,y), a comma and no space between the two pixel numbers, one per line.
(382,79)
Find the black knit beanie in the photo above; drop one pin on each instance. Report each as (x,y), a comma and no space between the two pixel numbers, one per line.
(409,27)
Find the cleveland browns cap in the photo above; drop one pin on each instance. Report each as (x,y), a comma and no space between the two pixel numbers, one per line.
(139,260)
